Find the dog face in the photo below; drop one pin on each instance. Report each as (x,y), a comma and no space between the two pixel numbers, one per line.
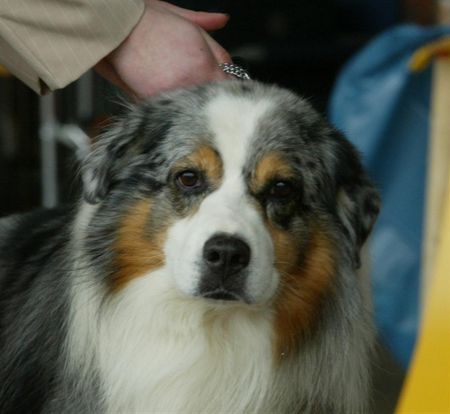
(241,192)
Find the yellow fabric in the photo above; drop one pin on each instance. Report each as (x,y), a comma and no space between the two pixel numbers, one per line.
(427,388)
(438,168)
(423,56)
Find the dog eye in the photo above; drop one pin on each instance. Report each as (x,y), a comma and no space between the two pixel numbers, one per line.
(189,179)
(281,189)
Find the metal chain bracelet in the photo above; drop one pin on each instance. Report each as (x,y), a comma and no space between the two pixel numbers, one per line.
(235,70)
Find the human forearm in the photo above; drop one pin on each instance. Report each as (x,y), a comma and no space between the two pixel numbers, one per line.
(50,43)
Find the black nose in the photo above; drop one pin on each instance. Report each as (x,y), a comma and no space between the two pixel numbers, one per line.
(226,255)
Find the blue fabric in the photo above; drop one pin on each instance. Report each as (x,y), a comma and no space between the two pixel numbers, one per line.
(384,110)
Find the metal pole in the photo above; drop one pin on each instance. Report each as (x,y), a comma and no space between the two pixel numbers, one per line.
(47,135)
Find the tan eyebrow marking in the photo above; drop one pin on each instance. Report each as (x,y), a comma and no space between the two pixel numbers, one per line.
(270,166)
(205,159)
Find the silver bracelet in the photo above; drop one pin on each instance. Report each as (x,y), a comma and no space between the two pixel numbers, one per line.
(234,70)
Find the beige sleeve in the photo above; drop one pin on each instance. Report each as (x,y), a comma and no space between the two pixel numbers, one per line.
(50,43)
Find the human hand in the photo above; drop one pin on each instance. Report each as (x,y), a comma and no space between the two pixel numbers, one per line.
(169,48)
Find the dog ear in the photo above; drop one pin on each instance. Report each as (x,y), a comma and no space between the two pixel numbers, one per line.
(358,202)
(132,138)
(98,169)
(96,176)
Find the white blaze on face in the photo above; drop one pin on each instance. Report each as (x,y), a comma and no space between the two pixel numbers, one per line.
(229,209)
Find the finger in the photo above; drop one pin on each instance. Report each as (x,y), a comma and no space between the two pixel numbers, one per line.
(106,70)
(207,21)
(219,53)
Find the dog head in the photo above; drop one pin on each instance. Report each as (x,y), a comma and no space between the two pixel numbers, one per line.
(241,191)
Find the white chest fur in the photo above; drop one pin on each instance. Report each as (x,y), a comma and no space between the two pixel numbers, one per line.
(160,353)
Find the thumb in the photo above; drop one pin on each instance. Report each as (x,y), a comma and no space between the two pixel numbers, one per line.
(207,21)
(219,53)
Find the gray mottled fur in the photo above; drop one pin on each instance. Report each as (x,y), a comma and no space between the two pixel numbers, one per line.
(133,159)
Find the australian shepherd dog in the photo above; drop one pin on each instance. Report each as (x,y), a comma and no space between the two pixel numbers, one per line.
(210,267)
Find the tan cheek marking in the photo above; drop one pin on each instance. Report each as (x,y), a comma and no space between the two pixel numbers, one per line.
(271,166)
(138,249)
(305,281)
